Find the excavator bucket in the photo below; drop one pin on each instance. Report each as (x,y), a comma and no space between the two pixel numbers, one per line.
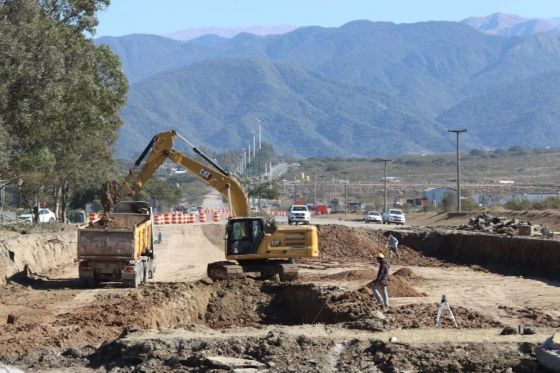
(111,195)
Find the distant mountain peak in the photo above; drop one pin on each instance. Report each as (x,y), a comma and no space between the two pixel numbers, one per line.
(504,24)
(230,32)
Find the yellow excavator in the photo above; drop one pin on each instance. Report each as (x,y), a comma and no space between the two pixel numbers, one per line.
(251,244)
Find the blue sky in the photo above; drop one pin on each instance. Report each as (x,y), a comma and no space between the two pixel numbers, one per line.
(166,16)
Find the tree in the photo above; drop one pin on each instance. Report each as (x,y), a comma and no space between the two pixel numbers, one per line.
(165,194)
(60,96)
(266,189)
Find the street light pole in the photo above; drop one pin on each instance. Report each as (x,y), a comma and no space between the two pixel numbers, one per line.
(458,131)
(385,161)
(260,147)
(345,193)
(249,159)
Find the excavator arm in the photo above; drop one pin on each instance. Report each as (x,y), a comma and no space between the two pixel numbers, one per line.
(161,148)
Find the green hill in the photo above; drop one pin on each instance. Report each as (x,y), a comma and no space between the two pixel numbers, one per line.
(216,104)
(526,113)
(408,82)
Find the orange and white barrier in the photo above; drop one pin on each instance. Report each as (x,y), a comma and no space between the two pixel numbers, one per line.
(190,219)
(216,217)
(92,216)
(202,217)
(167,218)
(158,219)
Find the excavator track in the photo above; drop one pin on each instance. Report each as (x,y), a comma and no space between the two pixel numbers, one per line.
(231,271)
(224,271)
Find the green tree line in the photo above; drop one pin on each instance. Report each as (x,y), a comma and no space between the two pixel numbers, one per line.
(60,96)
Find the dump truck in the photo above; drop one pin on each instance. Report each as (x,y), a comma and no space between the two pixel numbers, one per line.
(119,248)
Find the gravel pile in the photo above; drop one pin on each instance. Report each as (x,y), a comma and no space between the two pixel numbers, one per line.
(501,225)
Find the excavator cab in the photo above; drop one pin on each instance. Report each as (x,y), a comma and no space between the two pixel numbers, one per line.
(243,235)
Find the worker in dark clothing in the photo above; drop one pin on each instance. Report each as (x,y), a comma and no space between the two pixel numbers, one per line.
(382,282)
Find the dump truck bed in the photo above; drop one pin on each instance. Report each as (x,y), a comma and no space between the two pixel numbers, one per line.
(116,244)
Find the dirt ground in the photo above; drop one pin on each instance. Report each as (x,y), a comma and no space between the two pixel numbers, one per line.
(326,321)
(550,218)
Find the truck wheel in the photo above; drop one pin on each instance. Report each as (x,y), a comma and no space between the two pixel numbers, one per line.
(87,283)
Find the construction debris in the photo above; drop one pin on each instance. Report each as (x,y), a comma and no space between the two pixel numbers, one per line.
(504,226)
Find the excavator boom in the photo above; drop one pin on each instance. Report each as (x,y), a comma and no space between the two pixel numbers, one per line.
(161,148)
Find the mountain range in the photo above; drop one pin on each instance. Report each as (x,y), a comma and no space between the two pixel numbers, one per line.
(362,89)
(229,32)
(513,25)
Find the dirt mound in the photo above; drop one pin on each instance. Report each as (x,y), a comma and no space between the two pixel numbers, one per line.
(405,273)
(36,253)
(278,351)
(423,316)
(444,357)
(152,306)
(110,223)
(352,275)
(237,303)
(215,233)
(410,257)
(398,287)
(532,316)
(338,242)
(344,244)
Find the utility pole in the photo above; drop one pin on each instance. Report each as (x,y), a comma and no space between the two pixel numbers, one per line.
(330,191)
(458,131)
(385,161)
(345,193)
(315,190)
(295,189)
(322,193)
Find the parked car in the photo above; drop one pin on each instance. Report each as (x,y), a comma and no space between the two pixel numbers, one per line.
(45,216)
(192,210)
(298,214)
(373,217)
(394,216)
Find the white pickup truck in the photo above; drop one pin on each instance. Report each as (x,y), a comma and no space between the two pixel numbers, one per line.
(394,216)
(298,214)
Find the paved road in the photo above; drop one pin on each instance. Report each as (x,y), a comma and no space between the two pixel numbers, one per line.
(213,200)
(184,253)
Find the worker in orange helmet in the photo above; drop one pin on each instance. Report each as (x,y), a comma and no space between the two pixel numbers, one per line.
(382,282)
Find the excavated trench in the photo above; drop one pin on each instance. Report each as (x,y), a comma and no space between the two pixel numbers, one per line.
(510,255)
(250,303)
(226,321)
(223,305)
